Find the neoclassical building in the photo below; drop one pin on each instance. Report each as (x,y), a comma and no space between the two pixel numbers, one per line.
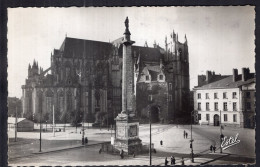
(85,78)
(228,99)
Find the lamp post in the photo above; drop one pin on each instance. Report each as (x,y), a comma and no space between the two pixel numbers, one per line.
(150,146)
(191,140)
(40,131)
(221,135)
(46,126)
(15,122)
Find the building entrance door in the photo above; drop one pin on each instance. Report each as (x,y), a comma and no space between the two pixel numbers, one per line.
(216,120)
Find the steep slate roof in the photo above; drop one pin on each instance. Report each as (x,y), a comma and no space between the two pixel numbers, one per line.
(213,78)
(154,71)
(147,54)
(72,47)
(227,83)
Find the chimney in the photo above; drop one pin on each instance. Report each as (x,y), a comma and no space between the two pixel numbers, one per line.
(208,76)
(245,73)
(235,74)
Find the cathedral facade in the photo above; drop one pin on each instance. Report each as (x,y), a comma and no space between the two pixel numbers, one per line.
(85,81)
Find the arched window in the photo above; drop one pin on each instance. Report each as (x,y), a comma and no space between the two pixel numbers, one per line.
(49,100)
(69,101)
(61,101)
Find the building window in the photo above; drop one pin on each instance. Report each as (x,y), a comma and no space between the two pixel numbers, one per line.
(225,106)
(234,117)
(215,95)
(199,106)
(199,116)
(234,106)
(234,95)
(170,86)
(207,117)
(248,106)
(150,98)
(225,117)
(216,106)
(147,77)
(170,97)
(207,106)
(199,96)
(248,95)
(207,95)
(225,95)
(161,77)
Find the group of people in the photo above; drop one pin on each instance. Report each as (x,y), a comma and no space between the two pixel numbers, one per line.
(212,148)
(173,161)
(185,135)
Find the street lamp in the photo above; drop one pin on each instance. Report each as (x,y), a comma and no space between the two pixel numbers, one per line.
(46,126)
(40,131)
(15,122)
(221,135)
(191,140)
(150,147)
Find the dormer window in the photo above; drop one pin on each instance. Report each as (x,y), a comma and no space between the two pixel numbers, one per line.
(147,77)
(161,77)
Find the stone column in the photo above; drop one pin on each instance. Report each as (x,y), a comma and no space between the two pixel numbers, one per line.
(128,73)
(127,133)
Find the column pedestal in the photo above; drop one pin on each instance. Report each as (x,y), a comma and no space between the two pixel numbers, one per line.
(127,135)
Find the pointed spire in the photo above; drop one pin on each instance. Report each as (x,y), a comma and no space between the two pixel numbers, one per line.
(177,37)
(154,44)
(29,67)
(185,38)
(34,63)
(145,44)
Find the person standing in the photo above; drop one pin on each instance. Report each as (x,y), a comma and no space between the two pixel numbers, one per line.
(173,161)
(211,148)
(166,161)
(122,154)
(184,134)
(182,161)
(214,149)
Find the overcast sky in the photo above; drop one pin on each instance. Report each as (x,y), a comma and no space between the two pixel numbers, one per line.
(219,38)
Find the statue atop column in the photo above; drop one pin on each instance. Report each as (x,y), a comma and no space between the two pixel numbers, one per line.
(127,32)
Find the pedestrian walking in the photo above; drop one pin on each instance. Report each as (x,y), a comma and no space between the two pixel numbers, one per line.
(214,149)
(161,142)
(100,150)
(211,148)
(173,161)
(184,134)
(166,161)
(182,161)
